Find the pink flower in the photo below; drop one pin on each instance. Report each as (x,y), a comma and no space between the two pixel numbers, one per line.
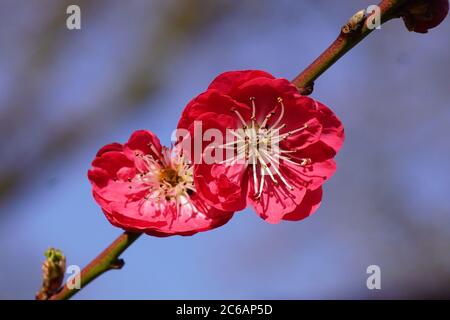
(144,187)
(285,143)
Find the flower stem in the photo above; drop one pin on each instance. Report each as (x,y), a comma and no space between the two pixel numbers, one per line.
(107,260)
(343,43)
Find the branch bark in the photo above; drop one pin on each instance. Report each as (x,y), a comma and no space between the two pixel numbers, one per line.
(343,43)
(107,260)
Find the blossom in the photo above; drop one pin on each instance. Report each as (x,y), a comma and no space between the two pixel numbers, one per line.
(284,145)
(421,15)
(145,187)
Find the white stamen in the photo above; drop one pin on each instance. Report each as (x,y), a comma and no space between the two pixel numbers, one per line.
(252,99)
(258,145)
(287,134)
(274,163)
(255,178)
(264,164)
(262,183)
(159,188)
(240,118)
(280,101)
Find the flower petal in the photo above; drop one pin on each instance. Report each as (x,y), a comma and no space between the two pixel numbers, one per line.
(310,203)
(143,142)
(228,81)
(276,200)
(313,175)
(210,102)
(333,133)
(222,186)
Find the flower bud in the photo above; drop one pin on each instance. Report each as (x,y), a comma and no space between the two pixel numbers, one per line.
(53,270)
(422,15)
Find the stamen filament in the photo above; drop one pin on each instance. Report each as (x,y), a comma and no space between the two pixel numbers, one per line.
(280,101)
(264,164)
(287,134)
(240,117)
(255,178)
(274,165)
(252,99)
(261,184)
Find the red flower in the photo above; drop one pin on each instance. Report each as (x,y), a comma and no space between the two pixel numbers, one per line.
(286,143)
(421,15)
(144,187)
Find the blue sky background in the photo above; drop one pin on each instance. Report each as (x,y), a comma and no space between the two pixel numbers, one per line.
(134,65)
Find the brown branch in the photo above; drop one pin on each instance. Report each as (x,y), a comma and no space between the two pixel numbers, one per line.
(347,39)
(107,260)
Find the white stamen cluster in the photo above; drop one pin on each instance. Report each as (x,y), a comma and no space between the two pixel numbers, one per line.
(169,176)
(258,144)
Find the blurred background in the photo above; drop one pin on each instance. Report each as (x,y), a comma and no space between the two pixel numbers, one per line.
(135,64)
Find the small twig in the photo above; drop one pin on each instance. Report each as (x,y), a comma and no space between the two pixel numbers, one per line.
(347,39)
(107,260)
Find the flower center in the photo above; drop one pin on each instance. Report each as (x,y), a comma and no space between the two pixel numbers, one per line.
(258,144)
(168,177)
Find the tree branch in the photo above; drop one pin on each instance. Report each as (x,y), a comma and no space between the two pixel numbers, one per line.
(346,40)
(107,260)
